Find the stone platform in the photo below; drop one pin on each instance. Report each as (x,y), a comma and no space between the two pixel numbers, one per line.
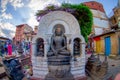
(78,78)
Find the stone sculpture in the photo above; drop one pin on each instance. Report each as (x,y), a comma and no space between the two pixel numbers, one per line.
(59,57)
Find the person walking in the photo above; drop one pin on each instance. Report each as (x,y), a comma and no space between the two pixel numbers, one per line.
(9,49)
(5,47)
(1,50)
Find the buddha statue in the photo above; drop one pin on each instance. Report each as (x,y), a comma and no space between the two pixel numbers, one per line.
(58,46)
(58,56)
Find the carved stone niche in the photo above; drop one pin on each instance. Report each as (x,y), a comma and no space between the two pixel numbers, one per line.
(39,47)
(76,47)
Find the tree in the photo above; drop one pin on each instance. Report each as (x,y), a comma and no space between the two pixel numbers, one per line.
(80,11)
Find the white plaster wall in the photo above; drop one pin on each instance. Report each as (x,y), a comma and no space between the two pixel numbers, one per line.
(98,13)
(98,31)
(100,23)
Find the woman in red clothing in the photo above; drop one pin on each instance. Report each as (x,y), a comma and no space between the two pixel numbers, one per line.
(9,49)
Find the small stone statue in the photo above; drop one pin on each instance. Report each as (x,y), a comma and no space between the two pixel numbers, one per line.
(76,48)
(41,51)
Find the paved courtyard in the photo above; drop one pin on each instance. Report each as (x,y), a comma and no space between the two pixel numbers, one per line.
(113,68)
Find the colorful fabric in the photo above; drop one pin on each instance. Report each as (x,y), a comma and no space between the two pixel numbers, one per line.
(9,49)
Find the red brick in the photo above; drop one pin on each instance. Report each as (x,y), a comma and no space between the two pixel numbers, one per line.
(95,5)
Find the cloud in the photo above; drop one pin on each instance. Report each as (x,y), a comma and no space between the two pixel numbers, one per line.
(7,30)
(35,5)
(41,4)
(16,3)
(7,16)
(32,21)
(3,5)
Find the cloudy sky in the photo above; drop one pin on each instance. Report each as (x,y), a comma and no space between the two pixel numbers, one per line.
(16,12)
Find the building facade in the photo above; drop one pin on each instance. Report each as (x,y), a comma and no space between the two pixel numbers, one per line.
(100,19)
(100,25)
(23,33)
(108,43)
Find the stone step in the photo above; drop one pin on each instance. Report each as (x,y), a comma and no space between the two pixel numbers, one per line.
(39,74)
(78,72)
(77,68)
(77,65)
(40,69)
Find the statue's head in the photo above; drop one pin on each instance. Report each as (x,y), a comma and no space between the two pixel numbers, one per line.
(58,30)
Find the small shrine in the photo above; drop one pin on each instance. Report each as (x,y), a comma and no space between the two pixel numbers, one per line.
(58,49)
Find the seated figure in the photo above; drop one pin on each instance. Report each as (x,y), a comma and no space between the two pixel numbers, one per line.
(58,46)
(41,51)
(58,56)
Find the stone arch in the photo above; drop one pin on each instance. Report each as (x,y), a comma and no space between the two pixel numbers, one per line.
(49,20)
(34,44)
(78,36)
(65,25)
(82,44)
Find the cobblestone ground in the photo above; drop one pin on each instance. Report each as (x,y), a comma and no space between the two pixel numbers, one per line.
(113,68)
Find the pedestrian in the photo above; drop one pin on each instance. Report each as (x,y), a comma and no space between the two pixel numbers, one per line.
(9,49)
(5,47)
(2,50)
(27,48)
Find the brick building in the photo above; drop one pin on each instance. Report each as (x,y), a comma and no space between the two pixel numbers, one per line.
(108,43)
(23,32)
(100,19)
(115,18)
(100,25)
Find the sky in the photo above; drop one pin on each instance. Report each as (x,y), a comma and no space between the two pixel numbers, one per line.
(16,12)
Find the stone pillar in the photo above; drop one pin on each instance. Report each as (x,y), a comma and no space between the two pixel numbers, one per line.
(33,46)
(82,49)
(45,49)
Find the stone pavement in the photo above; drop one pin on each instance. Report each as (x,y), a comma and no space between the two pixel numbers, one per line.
(113,66)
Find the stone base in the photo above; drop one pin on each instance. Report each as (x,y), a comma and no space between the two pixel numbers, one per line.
(34,78)
(78,78)
(81,78)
